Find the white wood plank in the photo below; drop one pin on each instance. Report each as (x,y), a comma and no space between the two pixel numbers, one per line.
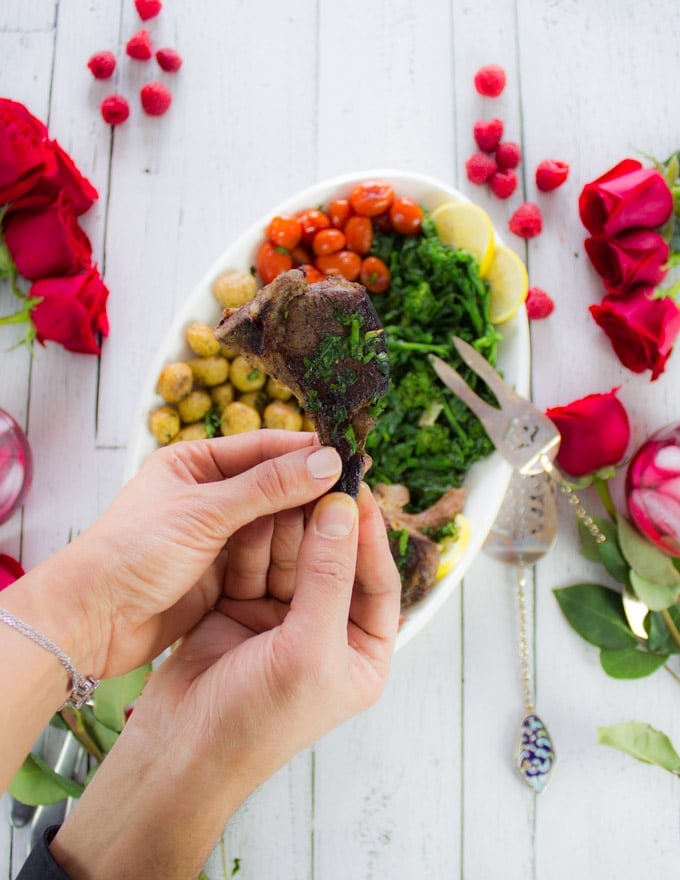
(238,139)
(272,829)
(388,787)
(385,96)
(25,69)
(19,17)
(492,703)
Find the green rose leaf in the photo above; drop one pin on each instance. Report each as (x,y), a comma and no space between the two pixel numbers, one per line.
(104,736)
(628,663)
(596,613)
(643,742)
(113,696)
(655,596)
(643,557)
(608,552)
(660,638)
(37,783)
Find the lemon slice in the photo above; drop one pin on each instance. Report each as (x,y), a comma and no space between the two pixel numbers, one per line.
(465,225)
(452,548)
(509,283)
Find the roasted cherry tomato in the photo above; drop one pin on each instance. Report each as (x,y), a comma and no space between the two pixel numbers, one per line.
(375,276)
(272,260)
(382,222)
(345,263)
(328,241)
(359,234)
(371,197)
(311,222)
(284,230)
(301,256)
(312,274)
(339,212)
(406,216)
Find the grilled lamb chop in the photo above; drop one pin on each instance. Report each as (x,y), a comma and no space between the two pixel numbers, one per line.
(417,557)
(325,342)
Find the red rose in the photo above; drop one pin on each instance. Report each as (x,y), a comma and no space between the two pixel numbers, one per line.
(595,433)
(61,175)
(23,156)
(10,570)
(71,311)
(641,329)
(629,259)
(47,242)
(627,196)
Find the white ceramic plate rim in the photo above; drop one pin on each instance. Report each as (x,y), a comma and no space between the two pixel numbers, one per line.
(487,481)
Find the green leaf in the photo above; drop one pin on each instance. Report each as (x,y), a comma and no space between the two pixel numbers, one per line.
(655,596)
(589,548)
(608,552)
(37,783)
(104,736)
(644,558)
(643,742)
(660,639)
(628,663)
(113,696)
(596,613)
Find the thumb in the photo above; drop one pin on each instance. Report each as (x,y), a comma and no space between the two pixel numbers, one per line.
(325,570)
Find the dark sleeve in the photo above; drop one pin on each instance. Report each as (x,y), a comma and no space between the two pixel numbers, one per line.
(40,864)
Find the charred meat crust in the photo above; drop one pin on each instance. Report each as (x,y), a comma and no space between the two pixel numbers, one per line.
(325,342)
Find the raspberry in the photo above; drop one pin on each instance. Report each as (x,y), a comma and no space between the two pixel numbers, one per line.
(169,59)
(503,183)
(550,174)
(508,155)
(102,64)
(148,8)
(527,221)
(488,133)
(139,46)
(539,304)
(490,80)
(115,109)
(479,168)
(156,98)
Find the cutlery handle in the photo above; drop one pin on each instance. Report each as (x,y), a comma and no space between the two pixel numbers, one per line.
(525,665)
(574,500)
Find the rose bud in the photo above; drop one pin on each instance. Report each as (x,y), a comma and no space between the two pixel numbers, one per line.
(595,433)
(629,259)
(653,489)
(626,196)
(71,311)
(642,329)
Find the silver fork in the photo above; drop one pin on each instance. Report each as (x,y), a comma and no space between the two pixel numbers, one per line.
(522,434)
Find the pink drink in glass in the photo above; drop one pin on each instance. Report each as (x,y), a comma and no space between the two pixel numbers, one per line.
(16,466)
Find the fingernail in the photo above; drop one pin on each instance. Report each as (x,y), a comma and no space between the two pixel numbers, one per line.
(336,516)
(324,463)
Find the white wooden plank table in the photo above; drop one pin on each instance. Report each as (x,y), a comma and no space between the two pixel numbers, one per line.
(273,97)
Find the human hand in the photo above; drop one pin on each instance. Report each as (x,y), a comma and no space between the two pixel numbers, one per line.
(156,560)
(293,649)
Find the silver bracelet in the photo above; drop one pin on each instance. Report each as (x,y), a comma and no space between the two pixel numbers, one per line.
(82,687)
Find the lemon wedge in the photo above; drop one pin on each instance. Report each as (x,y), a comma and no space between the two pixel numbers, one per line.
(466,225)
(509,284)
(452,548)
